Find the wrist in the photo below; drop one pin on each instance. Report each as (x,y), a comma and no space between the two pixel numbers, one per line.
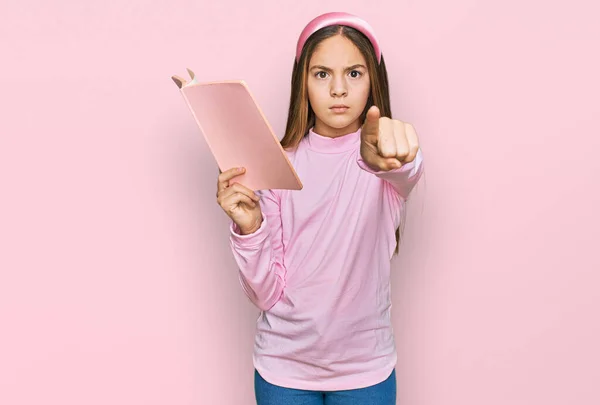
(252,229)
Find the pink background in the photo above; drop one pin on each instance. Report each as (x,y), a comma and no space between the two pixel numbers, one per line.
(117,285)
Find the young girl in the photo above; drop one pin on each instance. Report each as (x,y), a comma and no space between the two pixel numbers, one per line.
(317,261)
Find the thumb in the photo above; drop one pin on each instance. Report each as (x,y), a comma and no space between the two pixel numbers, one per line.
(370,130)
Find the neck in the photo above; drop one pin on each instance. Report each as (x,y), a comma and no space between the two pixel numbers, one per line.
(333,144)
(325,130)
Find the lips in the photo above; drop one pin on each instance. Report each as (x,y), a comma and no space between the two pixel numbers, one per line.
(339,108)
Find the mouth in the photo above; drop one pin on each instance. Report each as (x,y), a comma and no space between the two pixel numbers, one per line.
(339,108)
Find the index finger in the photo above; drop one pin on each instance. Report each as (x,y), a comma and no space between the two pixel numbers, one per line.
(370,130)
(227,175)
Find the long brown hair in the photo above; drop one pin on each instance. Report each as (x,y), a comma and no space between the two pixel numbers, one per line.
(301,116)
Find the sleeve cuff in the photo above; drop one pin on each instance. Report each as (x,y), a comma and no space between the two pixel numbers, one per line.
(254,238)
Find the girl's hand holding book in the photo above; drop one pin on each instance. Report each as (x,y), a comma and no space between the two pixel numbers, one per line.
(239,202)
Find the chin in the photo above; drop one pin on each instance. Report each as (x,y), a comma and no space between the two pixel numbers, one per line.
(340,122)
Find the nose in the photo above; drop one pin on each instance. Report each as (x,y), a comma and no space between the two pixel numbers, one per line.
(338,87)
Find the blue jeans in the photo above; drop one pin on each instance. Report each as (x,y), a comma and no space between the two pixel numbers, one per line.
(383,393)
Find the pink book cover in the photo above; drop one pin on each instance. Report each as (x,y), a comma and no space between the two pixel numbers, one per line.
(238,134)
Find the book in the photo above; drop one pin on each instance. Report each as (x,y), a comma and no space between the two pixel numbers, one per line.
(238,133)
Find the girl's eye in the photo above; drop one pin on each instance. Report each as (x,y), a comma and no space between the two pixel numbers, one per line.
(354,74)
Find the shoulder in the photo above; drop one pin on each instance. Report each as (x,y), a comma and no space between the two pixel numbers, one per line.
(293,152)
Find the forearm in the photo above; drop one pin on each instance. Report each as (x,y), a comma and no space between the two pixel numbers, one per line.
(261,271)
(403,179)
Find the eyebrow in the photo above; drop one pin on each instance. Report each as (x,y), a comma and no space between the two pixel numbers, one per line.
(325,68)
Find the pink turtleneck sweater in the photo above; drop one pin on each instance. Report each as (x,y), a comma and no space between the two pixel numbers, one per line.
(319,268)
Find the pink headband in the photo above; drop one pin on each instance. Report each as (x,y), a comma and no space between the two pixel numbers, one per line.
(328,19)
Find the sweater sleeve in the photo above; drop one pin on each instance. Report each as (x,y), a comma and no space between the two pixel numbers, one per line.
(403,179)
(259,255)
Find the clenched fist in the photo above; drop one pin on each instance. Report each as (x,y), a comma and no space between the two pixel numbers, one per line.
(387,144)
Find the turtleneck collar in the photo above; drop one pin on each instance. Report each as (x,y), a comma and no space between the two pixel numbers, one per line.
(325,144)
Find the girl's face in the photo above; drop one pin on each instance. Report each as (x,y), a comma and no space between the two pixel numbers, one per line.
(337,76)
